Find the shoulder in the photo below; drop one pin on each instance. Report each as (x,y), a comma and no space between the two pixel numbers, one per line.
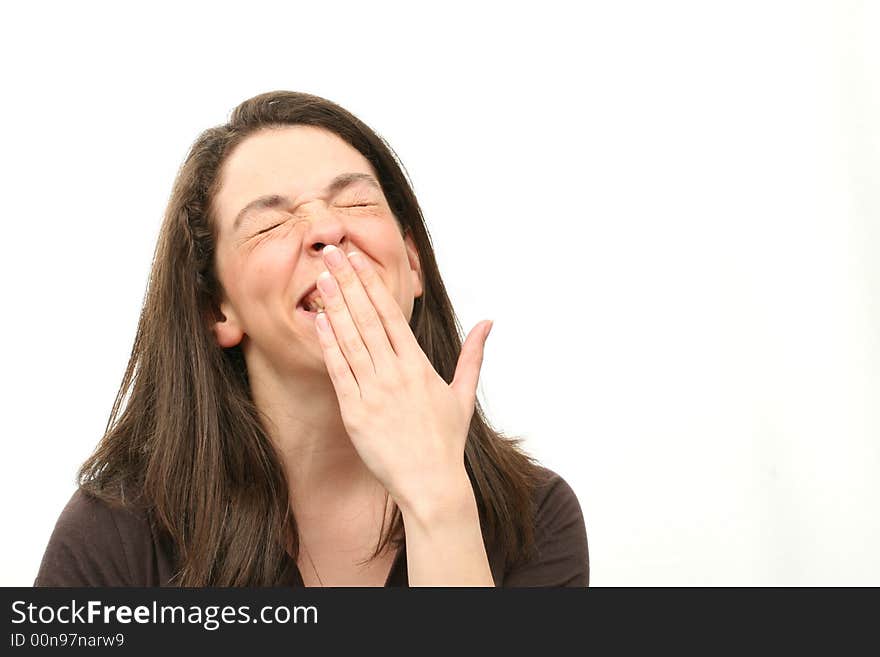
(561,554)
(556,503)
(97,544)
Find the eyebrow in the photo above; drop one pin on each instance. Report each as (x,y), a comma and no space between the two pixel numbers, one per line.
(336,185)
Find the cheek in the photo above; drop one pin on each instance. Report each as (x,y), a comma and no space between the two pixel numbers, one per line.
(381,239)
(266,271)
(394,269)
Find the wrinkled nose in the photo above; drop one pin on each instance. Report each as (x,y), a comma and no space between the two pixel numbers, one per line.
(325,227)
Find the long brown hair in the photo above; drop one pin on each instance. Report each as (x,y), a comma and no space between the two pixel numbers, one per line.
(185,440)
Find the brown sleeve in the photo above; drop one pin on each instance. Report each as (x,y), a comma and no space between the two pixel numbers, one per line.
(87,549)
(561,541)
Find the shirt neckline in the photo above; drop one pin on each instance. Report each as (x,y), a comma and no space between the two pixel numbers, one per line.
(292,576)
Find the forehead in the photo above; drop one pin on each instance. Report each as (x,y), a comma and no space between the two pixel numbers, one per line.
(291,161)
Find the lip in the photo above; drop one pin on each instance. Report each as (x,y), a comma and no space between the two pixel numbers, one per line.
(306,314)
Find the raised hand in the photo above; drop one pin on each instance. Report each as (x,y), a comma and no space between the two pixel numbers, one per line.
(408,425)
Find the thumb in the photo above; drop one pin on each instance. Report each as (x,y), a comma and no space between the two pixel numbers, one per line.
(470,360)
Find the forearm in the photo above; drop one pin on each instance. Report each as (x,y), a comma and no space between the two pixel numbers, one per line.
(444,544)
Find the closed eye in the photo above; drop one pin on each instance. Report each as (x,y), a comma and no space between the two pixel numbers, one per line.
(266,230)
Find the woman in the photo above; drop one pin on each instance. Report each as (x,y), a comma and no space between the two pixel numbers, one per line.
(299,408)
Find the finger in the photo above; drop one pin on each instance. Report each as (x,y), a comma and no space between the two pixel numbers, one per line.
(341,376)
(470,361)
(360,307)
(347,337)
(397,328)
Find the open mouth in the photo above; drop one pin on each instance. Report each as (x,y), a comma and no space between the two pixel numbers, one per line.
(311,302)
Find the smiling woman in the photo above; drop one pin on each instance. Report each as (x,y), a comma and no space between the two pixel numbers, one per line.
(299,407)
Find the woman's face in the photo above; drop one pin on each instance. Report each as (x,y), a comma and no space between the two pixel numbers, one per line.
(284,194)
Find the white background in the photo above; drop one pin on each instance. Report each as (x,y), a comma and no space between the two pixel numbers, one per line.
(669,209)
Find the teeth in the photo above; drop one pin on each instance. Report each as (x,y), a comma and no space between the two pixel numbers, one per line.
(314,303)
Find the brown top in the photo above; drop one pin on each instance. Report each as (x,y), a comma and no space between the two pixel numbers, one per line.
(94,544)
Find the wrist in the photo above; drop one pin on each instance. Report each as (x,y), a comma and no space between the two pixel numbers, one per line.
(440,502)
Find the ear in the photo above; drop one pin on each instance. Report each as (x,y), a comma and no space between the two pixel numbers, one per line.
(227,330)
(414,264)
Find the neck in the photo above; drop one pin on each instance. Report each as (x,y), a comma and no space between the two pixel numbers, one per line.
(324,471)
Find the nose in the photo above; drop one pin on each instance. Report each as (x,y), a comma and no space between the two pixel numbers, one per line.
(325,228)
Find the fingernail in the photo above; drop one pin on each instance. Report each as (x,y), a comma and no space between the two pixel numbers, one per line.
(326,283)
(321,321)
(332,254)
(489,330)
(356,260)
